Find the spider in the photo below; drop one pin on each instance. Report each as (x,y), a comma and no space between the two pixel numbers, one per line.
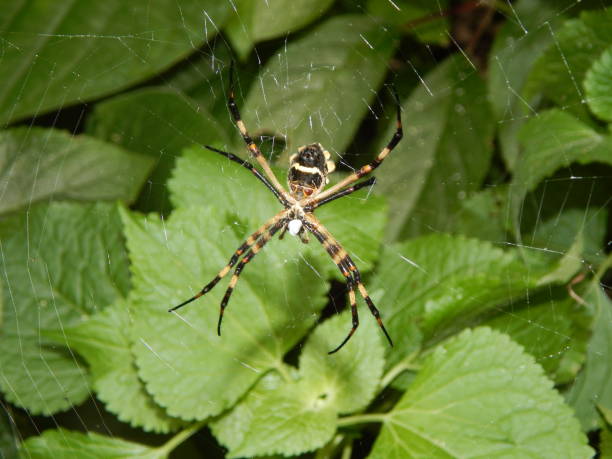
(307,176)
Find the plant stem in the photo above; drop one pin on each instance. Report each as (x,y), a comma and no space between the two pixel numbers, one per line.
(347,450)
(403,365)
(603,268)
(362,419)
(180,437)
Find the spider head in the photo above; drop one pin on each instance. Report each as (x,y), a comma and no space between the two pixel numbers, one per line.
(308,170)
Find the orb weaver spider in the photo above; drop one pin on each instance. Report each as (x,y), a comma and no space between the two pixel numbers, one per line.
(307,176)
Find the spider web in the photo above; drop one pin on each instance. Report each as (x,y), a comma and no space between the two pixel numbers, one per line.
(326,82)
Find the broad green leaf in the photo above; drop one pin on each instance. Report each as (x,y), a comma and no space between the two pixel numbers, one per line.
(605,444)
(484,215)
(348,379)
(289,419)
(557,235)
(158,122)
(61,263)
(414,17)
(103,341)
(553,329)
(67,444)
(253,21)
(8,434)
(553,140)
(559,72)
(480,395)
(204,178)
(444,282)
(38,164)
(298,414)
(606,413)
(188,369)
(56,54)
(317,89)
(445,152)
(594,384)
(598,86)
(517,46)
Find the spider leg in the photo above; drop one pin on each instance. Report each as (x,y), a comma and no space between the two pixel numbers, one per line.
(250,167)
(349,270)
(231,103)
(263,240)
(365,170)
(340,194)
(237,254)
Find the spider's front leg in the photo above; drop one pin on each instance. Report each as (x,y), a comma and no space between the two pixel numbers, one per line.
(250,241)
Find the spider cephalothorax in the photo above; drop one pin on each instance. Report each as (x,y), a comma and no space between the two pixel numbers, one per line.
(307,176)
(308,169)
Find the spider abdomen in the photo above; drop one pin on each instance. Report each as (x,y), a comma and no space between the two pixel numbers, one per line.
(308,169)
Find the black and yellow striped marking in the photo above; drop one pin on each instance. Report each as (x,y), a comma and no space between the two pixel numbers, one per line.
(350,271)
(263,240)
(245,246)
(364,170)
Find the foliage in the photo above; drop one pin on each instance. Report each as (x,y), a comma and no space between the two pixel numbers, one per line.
(483,242)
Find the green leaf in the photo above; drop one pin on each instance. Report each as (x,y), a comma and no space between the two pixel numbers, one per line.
(517,46)
(605,444)
(553,140)
(324,102)
(484,215)
(8,434)
(204,178)
(254,22)
(159,122)
(38,163)
(554,329)
(348,379)
(66,444)
(289,420)
(104,342)
(60,264)
(606,413)
(598,86)
(559,234)
(559,72)
(414,17)
(447,145)
(299,414)
(480,392)
(188,369)
(594,384)
(55,55)
(444,282)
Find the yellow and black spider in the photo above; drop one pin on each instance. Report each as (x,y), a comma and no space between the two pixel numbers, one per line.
(307,177)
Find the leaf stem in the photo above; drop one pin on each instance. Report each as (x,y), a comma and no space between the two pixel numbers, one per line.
(403,365)
(180,437)
(603,268)
(347,451)
(283,372)
(362,419)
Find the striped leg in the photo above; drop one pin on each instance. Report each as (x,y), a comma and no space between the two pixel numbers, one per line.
(263,240)
(250,167)
(365,170)
(340,194)
(231,103)
(348,269)
(366,297)
(237,254)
